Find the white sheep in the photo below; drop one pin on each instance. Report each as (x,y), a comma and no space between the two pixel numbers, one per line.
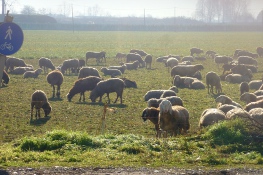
(250,97)
(223,99)
(255,84)
(237,78)
(211,116)
(32,74)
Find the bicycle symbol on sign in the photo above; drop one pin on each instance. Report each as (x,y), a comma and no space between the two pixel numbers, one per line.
(6,46)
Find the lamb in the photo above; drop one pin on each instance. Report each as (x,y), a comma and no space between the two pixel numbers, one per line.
(173,118)
(222,59)
(98,55)
(107,86)
(5,78)
(212,79)
(39,100)
(120,56)
(260,51)
(132,66)
(131,57)
(250,97)
(152,115)
(186,70)
(69,64)
(46,64)
(154,102)
(171,62)
(21,70)
(255,84)
(82,85)
(111,72)
(247,60)
(237,78)
(243,87)
(55,78)
(195,50)
(140,52)
(211,116)
(223,99)
(32,74)
(148,61)
(13,62)
(121,68)
(88,71)
(129,83)
(251,105)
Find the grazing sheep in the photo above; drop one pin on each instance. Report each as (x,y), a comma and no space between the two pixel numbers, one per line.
(242,70)
(212,79)
(129,83)
(222,60)
(152,115)
(21,70)
(223,99)
(108,86)
(132,66)
(247,60)
(243,87)
(251,105)
(121,68)
(236,52)
(195,50)
(69,64)
(260,51)
(174,119)
(39,100)
(32,74)
(250,97)
(237,78)
(98,55)
(140,52)
(148,61)
(82,85)
(88,71)
(226,107)
(255,84)
(111,72)
(211,116)
(186,70)
(55,78)
(188,58)
(45,63)
(5,78)
(13,62)
(154,102)
(246,53)
(120,56)
(168,93)
(237,113)
(209,53)
(131,57)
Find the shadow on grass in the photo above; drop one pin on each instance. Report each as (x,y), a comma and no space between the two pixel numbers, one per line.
(3,86)
(39,121)
(55,99)
(3,172)
(116,105)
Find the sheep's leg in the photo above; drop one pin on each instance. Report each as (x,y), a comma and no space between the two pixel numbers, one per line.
(83,94)
(108,95)
(38,110)
(80,97)
(58,91)
(32,107)
(53,91)
(116,98)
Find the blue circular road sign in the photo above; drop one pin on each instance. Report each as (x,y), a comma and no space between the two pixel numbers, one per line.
(11,38)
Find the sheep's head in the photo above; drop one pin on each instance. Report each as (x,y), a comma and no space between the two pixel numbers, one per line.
(69,97)
(47,109)
(165,107)
(93,96)
(145,114)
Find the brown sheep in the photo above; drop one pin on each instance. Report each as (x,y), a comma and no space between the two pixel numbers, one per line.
(186,70)
(148,60)
(212,79)
(195,50)
(131,57)
(108,86)
(120,56)
(13,62)
(88,71)
(152,114)
(55,78)
(70,64)
(140,52)
(39,100)
(98,55)
(46,64)
(82,85)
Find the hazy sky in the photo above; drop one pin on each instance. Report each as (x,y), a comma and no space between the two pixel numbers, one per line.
(156,8)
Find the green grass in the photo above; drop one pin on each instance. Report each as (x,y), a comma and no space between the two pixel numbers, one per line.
(72,135)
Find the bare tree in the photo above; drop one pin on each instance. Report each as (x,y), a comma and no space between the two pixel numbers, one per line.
(28,10)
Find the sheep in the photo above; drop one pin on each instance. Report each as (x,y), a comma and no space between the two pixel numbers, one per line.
(82,85)
(154,102)
(55,78)
(212,79)
(120,56)
(223,99)
(185,63)
(111,72)
(186,70)
(173,118)
(236,52)
(98,55)
(246,53)
(13,62)
(21,70)
(226,107)
(32,74)
(222,60)
(168,93)
(195,50)
(152,114)
(5,78)
(258,92)
(242,70)
(196,84)
(260,51)
(237,78)
(131,57)
(188,58)
(46,64)
(251,105)
(88,71)
(121,68)
(181,82)
(256,115)
(82,63)
(39,100)
(174,88)
(243,87)
(132,66)
(148,61)
(210,53)
(211,116)
(247,60)
(163,58)
(140,52)
(107,86)
(129,83)
(237,112)
(255,84)
(154,94)
(69,64)
(250,97)
(171,62)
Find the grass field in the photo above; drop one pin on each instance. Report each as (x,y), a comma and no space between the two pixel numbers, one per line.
(85,117)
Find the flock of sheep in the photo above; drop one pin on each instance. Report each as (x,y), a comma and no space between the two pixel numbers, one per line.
(165,109)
